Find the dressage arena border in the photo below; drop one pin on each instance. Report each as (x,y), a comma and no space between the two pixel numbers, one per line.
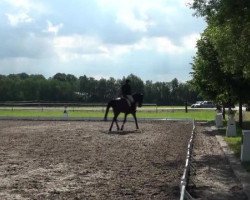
(188,167)
(184,194)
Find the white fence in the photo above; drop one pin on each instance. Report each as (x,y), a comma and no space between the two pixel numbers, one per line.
(185,178)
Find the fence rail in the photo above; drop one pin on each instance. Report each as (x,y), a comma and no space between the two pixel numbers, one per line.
(69,106)
(49,104)
(185,178)
(58,104)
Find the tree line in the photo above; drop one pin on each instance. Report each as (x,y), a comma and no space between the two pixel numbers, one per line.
(221,66)
(68,88)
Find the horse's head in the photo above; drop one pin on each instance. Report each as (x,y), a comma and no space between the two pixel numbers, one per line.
(138,97)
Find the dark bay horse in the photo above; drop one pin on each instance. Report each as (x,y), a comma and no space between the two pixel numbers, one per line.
(120,105)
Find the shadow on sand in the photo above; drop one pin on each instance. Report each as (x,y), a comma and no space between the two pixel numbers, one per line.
(120,132)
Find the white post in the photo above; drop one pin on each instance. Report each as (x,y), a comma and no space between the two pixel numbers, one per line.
(219,120)
(231,126)
(65,112)
(245,146)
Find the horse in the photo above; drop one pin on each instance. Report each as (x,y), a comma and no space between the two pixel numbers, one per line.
(121,105)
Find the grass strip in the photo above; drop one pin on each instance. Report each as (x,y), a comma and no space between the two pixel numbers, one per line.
(206,115)
(234,143)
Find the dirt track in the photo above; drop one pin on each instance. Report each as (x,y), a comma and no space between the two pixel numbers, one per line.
(81,160)
(214,177)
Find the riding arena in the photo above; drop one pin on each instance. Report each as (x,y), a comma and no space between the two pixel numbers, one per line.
(83,160)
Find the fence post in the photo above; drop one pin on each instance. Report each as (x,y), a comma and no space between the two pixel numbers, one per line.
(186,108)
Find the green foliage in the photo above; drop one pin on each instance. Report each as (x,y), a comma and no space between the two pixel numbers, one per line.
(208,77)
(228,32)
(67,88)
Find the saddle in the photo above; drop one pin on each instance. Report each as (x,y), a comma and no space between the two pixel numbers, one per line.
(127,100)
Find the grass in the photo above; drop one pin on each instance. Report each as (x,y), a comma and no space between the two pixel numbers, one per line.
(235,143)
(206,115)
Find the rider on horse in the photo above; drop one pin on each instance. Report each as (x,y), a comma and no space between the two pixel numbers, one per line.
(126,92)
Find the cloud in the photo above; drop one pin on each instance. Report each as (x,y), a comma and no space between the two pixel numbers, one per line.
(27,5)
(129,19)
(53,28)
(15,19)
(73,47)
(80,46)
(17,43)
(136,15)
(189,41)
(99,38)
(19,12)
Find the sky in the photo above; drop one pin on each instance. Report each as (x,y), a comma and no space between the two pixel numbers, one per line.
(152,39)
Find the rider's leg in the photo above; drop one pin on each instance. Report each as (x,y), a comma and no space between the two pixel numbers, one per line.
(130,98)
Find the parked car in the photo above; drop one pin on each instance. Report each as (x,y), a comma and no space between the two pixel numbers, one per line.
(207,104)
(197,104)
(203,104)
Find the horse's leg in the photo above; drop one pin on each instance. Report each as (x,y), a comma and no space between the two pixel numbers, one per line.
(124,121)
(112,124)
(117,126)
(134,115)
(115,120)
(107,110)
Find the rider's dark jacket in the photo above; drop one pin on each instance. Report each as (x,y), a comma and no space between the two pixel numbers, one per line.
(126,90)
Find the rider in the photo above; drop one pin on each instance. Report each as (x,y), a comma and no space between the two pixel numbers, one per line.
(126,92)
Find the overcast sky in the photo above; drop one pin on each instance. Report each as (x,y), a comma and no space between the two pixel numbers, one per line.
(152,39)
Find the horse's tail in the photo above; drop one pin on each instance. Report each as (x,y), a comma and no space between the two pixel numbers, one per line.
(107,110)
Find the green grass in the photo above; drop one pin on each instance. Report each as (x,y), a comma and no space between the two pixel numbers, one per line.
(48,113)
(206,115)
(235,143)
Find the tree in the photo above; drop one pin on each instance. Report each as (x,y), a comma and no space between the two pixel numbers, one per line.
(66,87)
(229,30)
(208,77)
(60,77)
(112,90)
